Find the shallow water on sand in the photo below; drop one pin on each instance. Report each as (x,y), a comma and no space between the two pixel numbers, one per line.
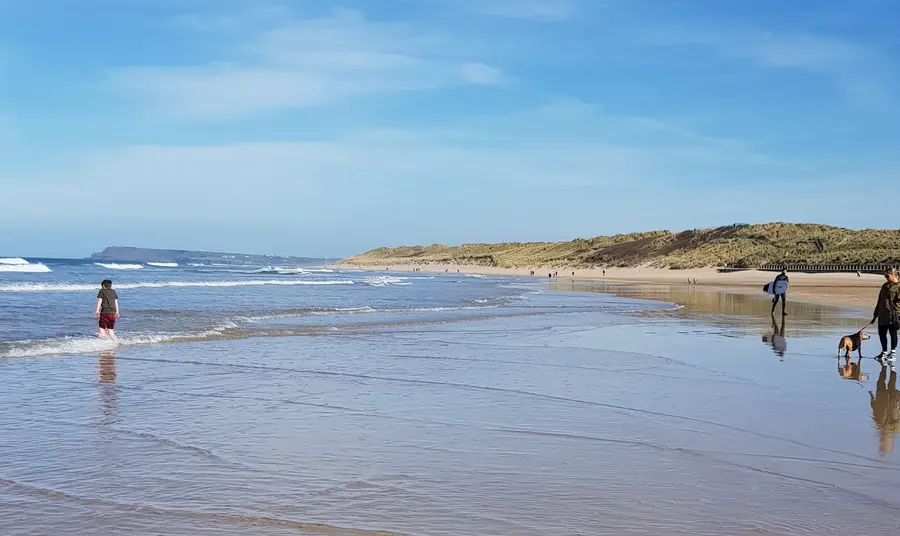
(578,414)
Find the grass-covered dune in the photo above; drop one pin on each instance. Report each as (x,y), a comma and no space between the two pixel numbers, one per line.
(740,244)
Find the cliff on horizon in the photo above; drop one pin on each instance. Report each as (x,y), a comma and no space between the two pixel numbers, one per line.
(740,245)
(134,254)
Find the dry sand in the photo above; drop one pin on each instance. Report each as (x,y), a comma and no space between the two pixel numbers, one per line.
(831,289)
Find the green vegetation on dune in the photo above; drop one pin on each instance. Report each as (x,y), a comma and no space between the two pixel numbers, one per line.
(738,245)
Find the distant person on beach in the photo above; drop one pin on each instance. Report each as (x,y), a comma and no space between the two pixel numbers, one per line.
(887,314)
(107,310)
(782,296)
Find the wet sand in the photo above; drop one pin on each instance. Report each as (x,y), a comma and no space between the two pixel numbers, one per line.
(607,422)
(833,289)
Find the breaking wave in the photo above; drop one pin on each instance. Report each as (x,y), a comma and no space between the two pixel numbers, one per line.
(82,345)
(14,261)
(163,264)
(385,280)
(236,328)
(22,266)
(79,287)
(115,266)
(290,271)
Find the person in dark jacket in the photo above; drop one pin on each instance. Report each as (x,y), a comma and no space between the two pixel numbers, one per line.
(783,296)
(887,314)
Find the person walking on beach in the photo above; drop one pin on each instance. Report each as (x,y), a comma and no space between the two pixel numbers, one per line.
(782,296)
(107,310)
(887,313)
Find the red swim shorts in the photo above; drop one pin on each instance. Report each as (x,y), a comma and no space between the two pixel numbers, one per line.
(107,321)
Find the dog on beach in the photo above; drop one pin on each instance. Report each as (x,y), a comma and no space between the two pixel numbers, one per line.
(852,343)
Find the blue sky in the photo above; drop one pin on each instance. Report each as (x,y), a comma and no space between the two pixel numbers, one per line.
(327,128)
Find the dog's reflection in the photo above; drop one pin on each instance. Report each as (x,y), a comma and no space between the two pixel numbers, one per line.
(776,339)
(885,404)
(851,371)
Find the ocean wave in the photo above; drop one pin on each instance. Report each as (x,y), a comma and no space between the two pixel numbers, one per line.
(83,345)
(290,271)
(22,266)
(14,261)
(307,312)
(79,287)
(234,328)
(114,266)
(385,280)
(163,264)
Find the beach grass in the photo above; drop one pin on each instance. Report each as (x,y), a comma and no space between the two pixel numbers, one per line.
(737,245)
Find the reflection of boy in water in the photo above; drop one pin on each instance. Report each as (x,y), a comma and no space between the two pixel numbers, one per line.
(886,409)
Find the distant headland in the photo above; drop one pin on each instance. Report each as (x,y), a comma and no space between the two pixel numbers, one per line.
(135,254)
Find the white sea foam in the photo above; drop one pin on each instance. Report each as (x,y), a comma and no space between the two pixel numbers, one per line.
(289,271)
(82,345)
(114,266)
(14,261)
(311,312)
(33,268)
(385,280)
(360,310)
(69,345)
(164,264)
(78,287)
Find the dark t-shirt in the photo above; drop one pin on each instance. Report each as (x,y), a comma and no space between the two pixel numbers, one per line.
(108,303)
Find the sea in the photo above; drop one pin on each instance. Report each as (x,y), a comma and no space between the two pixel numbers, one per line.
(304,400)
(47,304)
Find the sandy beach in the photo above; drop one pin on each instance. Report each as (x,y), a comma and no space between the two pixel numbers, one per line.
(842,289)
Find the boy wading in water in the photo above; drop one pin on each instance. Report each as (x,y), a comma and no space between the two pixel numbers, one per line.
(107,310)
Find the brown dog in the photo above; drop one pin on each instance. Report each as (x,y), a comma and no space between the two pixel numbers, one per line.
(852,343)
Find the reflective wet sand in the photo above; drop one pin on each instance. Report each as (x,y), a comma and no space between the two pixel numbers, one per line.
(742,312)
(571,423)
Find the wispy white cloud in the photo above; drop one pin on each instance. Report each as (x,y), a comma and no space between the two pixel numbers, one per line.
(481,74)
(537,10)
(301,63)
(856,68)
(565,147)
